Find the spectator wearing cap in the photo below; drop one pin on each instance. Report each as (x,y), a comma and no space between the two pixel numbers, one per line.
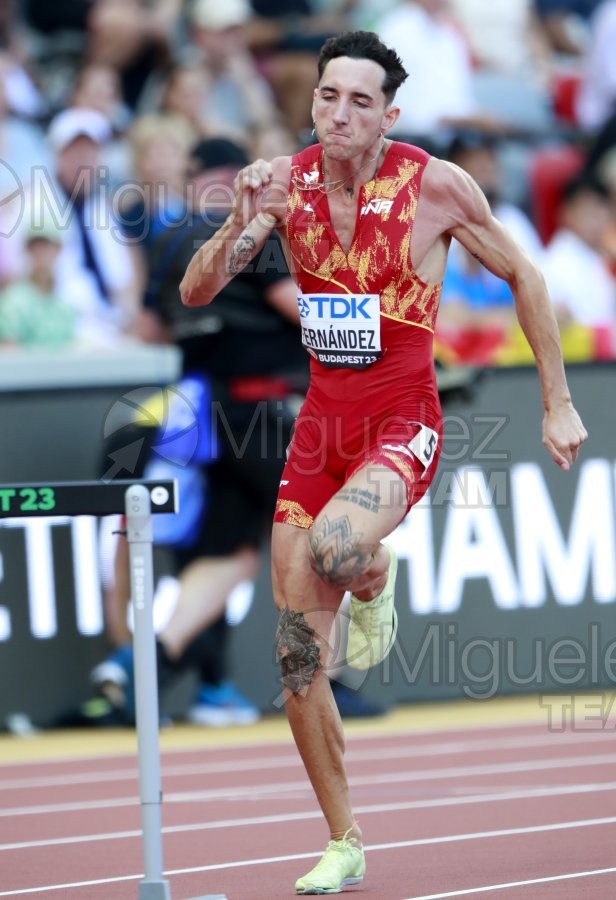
(94,271)
(31,312)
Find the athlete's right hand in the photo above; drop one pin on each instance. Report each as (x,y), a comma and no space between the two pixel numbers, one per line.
(249,186)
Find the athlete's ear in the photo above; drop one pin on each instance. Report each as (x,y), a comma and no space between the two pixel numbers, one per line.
(314,100)
(390,117)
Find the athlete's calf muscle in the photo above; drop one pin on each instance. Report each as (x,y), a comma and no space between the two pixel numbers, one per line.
(297,651)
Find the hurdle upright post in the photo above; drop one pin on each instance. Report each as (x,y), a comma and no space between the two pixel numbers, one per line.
(139,537)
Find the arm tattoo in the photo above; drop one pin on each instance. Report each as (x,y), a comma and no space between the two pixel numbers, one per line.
(338,552)
(297,651)
(363,498)
(242,253)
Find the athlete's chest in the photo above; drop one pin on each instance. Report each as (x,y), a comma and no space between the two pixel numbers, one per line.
(344,211)
(353,224)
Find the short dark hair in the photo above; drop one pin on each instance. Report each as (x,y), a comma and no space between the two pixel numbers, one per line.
(365,45)
(210,153)
(584,183)
(468,139)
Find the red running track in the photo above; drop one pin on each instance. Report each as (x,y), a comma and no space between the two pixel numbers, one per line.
(513,811)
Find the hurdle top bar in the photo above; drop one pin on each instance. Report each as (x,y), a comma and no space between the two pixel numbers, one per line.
(82,498)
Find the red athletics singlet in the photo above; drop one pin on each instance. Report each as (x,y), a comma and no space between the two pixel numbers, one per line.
(368,323)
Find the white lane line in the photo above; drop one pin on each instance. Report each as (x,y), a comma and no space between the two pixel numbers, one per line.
(513,884)
(252,821)
(396,845)
(292,759)
(240,792)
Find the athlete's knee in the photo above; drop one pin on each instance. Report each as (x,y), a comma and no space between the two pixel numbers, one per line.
(337,556)
(297,650)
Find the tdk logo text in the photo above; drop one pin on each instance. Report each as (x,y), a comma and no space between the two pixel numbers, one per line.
(322,307)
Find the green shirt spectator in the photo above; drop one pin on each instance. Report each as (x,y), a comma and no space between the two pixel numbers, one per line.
(30,311)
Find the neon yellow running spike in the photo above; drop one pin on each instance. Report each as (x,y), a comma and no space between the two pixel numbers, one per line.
(341,865)
(373,625)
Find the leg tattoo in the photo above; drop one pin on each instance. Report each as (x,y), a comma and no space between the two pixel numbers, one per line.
(339,557)
(297,651)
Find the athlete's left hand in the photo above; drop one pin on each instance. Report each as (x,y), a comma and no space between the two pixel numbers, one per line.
(563,435)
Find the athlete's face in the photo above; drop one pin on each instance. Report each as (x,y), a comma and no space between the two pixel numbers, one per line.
(349,109)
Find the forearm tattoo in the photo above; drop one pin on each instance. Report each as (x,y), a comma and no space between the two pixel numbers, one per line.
(366,499)
(242,253)
(339,555)
(297,651)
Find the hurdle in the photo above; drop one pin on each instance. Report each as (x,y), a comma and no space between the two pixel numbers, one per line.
(137,501)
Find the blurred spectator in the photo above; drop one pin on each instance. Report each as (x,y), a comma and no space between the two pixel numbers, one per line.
(512,60)
(504,36)
(551,167)
(477,317)
(566,23)
(23,139)
(94,270)
(602,151)
(596,99)
(236,98)
(438,94)
(134,37)
(59,17)
(184,92)
(606,171)
(31,313)
(155,201)
(579,279)
(476,314)
(478,154)
(286,36)
(363,14)
(22,97)
(98,86)
(22,147)
(21,93)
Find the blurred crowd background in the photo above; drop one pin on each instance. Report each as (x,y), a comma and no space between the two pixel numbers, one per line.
(102,101)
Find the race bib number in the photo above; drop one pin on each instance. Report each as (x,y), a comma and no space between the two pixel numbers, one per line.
(341,330)
(424,445)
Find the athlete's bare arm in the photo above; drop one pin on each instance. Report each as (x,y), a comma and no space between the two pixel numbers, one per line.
(457,207)
(259,205)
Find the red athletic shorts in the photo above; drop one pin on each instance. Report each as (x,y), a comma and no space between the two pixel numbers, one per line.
(333,439)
